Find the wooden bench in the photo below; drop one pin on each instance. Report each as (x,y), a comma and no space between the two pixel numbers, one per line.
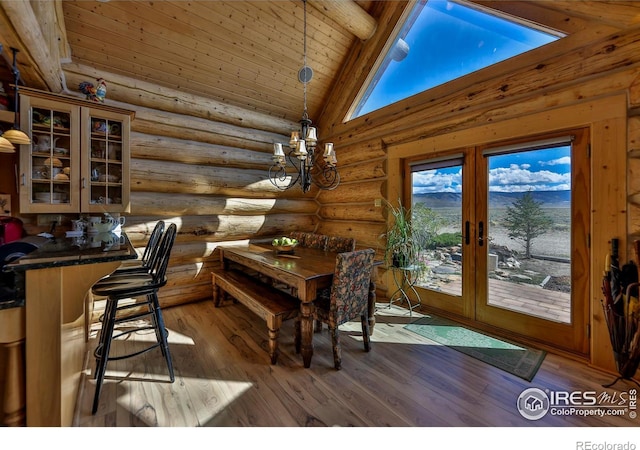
(268,302)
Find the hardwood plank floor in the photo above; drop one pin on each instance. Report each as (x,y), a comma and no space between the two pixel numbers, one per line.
(224,378)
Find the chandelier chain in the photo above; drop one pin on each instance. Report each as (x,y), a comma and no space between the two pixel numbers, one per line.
(305,114)
(311,167)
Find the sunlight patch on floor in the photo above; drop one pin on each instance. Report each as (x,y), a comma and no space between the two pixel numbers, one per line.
(388,328)
(214,396)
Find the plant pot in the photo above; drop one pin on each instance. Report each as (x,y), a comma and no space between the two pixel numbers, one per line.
(400,260)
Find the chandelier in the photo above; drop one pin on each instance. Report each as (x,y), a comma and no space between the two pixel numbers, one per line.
(302,155)
(15,135)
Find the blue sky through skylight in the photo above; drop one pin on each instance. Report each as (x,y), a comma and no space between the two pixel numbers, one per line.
(447,40)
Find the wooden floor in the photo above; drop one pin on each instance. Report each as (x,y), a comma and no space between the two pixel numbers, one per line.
(223,378)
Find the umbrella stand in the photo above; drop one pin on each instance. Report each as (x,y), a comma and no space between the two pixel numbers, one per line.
(624,334)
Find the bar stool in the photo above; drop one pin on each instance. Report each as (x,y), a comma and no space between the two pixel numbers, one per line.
(144,265)
(149,252)
(126,286)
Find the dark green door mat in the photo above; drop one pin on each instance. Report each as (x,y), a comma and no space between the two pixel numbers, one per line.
(518,360)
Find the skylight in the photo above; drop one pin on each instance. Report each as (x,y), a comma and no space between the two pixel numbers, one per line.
(443,40)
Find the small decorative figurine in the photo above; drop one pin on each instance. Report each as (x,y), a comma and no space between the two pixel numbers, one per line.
(94,93)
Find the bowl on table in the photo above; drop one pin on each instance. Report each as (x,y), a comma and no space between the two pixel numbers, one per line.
(285,249)
(284,245)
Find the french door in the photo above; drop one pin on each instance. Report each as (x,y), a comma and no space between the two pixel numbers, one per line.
(507,230)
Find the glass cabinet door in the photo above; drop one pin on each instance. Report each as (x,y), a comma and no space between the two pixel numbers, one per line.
(104,173)
(105,168)
(78,161)
(50,167)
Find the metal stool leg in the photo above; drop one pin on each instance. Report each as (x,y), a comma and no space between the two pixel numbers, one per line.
(102,355)
(161,330)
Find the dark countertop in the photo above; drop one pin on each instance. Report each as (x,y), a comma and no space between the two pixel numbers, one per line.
(63,251)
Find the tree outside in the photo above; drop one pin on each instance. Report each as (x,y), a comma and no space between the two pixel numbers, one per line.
(426,225)
(526,220)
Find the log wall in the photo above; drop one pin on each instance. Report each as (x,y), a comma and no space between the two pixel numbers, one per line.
(211,181)
(588,79)
(206,171)
(202,164)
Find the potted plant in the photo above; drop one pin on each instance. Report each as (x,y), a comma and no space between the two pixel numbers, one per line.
(401,248)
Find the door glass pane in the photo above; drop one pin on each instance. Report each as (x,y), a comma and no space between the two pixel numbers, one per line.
(529,232)
(437,213)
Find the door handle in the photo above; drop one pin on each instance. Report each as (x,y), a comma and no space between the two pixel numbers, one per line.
(466,232)
(481,234)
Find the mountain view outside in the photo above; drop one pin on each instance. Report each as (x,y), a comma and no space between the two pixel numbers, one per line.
(529,221)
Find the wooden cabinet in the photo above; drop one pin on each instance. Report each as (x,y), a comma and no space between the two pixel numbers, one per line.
(78,161)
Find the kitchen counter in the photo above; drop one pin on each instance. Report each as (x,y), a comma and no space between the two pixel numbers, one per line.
(58,307)
(72,251)
(63,251)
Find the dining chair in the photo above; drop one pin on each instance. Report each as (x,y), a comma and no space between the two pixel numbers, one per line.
(125,287)
(340,244)
(337,244)
(313,240)
(347,299)
(297,235)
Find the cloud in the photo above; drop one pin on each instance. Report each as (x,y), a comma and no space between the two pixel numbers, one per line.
(434,181)
(519,179)
(515,178)
(565,160)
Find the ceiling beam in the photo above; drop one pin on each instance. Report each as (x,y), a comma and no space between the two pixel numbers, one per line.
(349,15)
(27,27)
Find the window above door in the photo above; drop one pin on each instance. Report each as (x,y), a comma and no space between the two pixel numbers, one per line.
(442,40)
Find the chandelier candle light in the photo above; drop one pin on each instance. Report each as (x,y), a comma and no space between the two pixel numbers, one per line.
(302,154)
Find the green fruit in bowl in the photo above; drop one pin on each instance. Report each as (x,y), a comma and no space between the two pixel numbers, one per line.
(284,242)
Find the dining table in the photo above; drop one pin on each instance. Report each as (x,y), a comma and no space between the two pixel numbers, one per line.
(305,271)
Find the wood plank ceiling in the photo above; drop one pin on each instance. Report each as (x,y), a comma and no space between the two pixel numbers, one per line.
(245,53)
(240,52)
